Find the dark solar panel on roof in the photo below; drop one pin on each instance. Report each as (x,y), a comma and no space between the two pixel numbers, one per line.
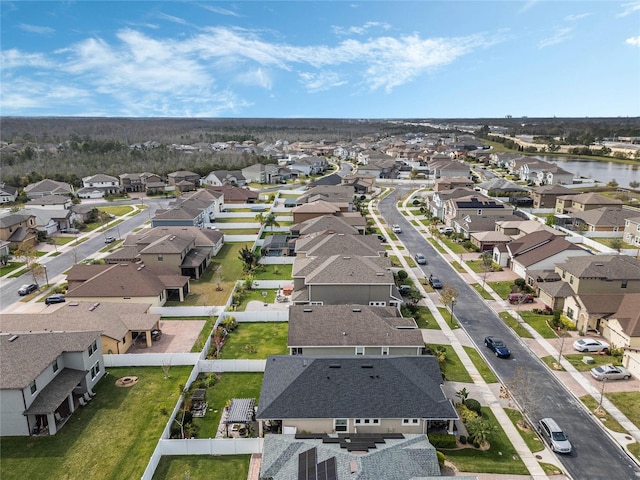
(327,470)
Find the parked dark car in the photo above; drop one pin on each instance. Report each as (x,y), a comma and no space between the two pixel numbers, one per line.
(56,298)
(404,289)
(516,298)
(435,283)
(498,347)
(27,289)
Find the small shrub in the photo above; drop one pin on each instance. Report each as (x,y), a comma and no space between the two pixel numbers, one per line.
(463,439)
(465,413)
(442,440)
(476,445)
(441,458)
(402,275)
(473,405)
(520,283)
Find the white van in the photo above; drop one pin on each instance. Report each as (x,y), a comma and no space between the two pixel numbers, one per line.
(554,436)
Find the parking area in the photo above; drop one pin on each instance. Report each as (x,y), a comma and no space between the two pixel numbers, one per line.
(178,336)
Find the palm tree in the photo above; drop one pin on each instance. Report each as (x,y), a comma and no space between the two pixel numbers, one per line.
(270,221)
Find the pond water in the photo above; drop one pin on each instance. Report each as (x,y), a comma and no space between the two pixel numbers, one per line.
(598,170)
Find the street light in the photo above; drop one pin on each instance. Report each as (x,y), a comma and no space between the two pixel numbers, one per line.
(46,275)
(264,295)
(453,302)
(599,408)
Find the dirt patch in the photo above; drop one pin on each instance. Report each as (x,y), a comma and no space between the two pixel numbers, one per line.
(128,381)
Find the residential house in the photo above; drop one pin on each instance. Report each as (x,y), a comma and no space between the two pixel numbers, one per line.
(458,208)
(487,240)
(622,329)
(8,193)
(320,208)
(19,229)
(367,394)
(97,186)
(537,251)
(500,187)
(266,173)
(448,168)
(470,223)
(352,330)
(362,184)
(519,228)
(190,211)
(380,166)
(48,187)
(119,324)
(186,251)
(595,222)
(234,195)
(552,174)
(278,246)
(340,195)
(51,202)
(545,196)
(631,233)
(325,245)
(328,180)
(566,204)
(309,165)
(451,183)
(183,180)
(141,182)
(42,376)
(218,178)
(322,225)
(436,202)
(341,280)
(50,221)
(124,283)
(396,456)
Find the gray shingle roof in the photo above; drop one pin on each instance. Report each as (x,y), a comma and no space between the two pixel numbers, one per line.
(345,270)
(611,267)
(339,244)
(351,325)
(28,355)
(361,387)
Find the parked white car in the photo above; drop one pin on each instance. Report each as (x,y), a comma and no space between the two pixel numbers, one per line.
(590,345)
(610,372)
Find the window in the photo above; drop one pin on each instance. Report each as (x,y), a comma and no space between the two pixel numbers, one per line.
(359,350)
(624,283)
(55,365)
(93,347)
(367,421)
(377,304)
(479,211)
(563,273)
(571,279)
(410,421)
(124,339)
(341,424)
(570,312)
(296,351)
(385,350)
(160,257)
(95,370)
(33,387)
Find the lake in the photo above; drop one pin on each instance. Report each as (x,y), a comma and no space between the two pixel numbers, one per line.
(598,170)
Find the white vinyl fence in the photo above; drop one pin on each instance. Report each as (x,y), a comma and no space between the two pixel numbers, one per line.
(150,359)
(211,446)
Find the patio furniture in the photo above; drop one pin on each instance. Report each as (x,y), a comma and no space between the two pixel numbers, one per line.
(87,397)
(82,402)
(199,404)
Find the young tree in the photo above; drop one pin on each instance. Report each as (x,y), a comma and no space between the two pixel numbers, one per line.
(28,255)
(218,277)
(616,244)
(449,296)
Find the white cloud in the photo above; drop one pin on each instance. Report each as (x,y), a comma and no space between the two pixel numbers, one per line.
(359,30)
(318,82)
(629,8)
(635,41)
(171,18)
(221,11)
(578,16)
(560,34)
(528,5)
(14,58)
(36,29)
(256,77)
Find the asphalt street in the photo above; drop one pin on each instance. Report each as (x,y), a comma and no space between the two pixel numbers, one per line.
(595,455)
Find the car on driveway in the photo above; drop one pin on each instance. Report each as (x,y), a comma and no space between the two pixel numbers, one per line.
(610,372)
(396,229)
(435,283)
(27,288)
(420,259)
(497,346)
(517,298)
(590,345)
(446,230)
(55,298)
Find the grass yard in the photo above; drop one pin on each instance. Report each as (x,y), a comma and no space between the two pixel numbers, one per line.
(117,210)
(501,457)
(436,245)
(501,288)
(111,438)
(274,272)
(628,403)
(455,247)
(200,467)
(62,240)
(256,295)
(394,261)
(551,362)
(239,231)
(529,435)
(247,219)
(515,325)
(481,365)
(539,323)
(256,340)
(230,385)
(425,319)
(483,293)
(204,333)
(452,367)
(607,420)
(458,267)
(446,314)
(10,267)
(575,359)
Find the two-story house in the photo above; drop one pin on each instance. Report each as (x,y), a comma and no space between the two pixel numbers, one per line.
(545,196)
(631,233)
(18,229)
(141,182)
(8,193)
(97,186)
(184,181)
(224,177)
(43,376)
(458,208)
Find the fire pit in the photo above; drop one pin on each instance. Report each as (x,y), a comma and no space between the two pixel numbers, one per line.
(127,381)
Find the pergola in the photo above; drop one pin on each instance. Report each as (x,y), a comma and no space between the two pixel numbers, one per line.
(241,410)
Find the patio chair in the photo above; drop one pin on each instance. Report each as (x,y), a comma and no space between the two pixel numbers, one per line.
(87,397)
(82,402)
(57,417)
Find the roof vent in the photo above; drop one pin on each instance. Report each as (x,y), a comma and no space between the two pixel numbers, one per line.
(334,365)
(356,310)
(380,274)
(346,258)
(307,310)
(13,338)
(94,306)
(72,304)
(599,264)
(366,365)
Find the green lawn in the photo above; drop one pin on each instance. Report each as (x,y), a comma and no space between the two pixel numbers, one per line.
(436,245)
(628,403)
(239,231)
(607,420)
(274,272)
(458,267)
(256,295)
(551,362)
(230,385)
(62,240)
(256,340)
(111,438)
(515,325)
(452,367)
(481,365)
(455,247)
(483,293)
(425,319)
(446,314)
(117,210)
(529,435)
(501,288)
(539,323)
(501,457)
(10,267)
(204,333)
(575,359)
(200,467)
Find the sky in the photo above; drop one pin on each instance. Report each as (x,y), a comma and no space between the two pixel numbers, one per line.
(320,59)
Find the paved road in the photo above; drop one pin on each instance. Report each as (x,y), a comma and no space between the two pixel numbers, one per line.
(595,456)
(57,265)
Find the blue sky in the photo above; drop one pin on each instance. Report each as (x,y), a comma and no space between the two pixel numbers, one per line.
(342,59)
